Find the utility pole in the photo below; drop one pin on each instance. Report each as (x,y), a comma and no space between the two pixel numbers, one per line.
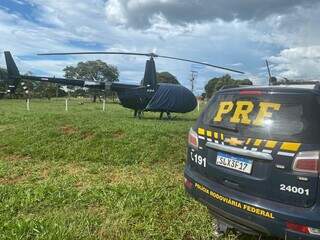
(194,75)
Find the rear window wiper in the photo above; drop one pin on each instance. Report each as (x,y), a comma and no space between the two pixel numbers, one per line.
(234,129)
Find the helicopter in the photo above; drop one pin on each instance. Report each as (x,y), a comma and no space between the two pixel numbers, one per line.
(147,96)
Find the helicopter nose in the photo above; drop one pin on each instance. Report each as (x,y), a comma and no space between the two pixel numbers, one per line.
(189,100)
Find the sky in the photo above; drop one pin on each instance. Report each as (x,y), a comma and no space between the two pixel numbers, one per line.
(234,34)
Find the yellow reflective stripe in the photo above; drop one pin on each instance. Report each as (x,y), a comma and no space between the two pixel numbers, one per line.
(201,131)
(222,136)
(216,136)
(257,142)
(271,144)
(248,141)
(290,146)
(209,134)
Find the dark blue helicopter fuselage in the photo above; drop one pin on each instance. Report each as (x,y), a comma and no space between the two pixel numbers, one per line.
(164,98)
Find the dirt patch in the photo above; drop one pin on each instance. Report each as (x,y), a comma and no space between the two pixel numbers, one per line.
(13,180)
(138,176)
(188,236)
(79,185)
(87,135)
(119,134)
(97,210)
(125,176)
(3,146)
(45,173)
(74,169)
(68,130)
(16,158)
(6,127)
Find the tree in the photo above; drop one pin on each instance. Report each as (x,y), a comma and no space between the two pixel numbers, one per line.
(166,77)
(3,85)
(3,78)
(3,74)
(215,84)
(46,90)
(98,71)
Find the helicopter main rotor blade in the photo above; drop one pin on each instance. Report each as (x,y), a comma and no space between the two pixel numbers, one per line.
(142,54)
(202,63)
(93,53)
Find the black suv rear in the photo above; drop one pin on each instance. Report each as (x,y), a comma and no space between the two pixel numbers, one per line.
(254,160)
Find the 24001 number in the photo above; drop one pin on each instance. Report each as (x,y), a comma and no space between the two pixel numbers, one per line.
(294,189)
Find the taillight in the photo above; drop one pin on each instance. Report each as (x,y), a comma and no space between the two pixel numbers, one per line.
(307,162)
(302,228)
(188,183)
(250,92)
(297,228)
(193,139)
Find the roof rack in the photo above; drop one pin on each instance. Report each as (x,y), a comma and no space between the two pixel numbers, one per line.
(287,82)
(297,82)
(317,86)
(234,86)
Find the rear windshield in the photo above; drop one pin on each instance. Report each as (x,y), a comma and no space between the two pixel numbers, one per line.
(280,116)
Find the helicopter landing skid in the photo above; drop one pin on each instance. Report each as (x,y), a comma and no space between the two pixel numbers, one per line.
(169,117)
(138,113)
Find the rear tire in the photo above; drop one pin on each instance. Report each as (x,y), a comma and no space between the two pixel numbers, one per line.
(217,234)
(221,231)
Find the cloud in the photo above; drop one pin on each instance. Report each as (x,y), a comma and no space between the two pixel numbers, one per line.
(139,13)
(298,63)
(297,37)
(68,27)
(276,30)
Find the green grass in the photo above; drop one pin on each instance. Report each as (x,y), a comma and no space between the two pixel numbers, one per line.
(88,174)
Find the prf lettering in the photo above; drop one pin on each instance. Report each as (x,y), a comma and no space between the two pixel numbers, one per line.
(243,110)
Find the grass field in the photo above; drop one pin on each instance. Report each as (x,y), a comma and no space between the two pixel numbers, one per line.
(88,174)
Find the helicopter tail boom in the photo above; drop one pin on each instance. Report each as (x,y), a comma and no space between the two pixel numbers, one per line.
(14,77)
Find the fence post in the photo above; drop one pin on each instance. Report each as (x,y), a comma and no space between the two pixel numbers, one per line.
(28,104)
(66,104)
(103,105)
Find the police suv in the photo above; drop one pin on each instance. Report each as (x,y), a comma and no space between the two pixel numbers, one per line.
(253,160)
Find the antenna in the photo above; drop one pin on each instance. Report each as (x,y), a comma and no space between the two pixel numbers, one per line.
(269,72)
(272,80)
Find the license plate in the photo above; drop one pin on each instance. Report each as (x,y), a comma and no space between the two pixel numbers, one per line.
(234,162)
